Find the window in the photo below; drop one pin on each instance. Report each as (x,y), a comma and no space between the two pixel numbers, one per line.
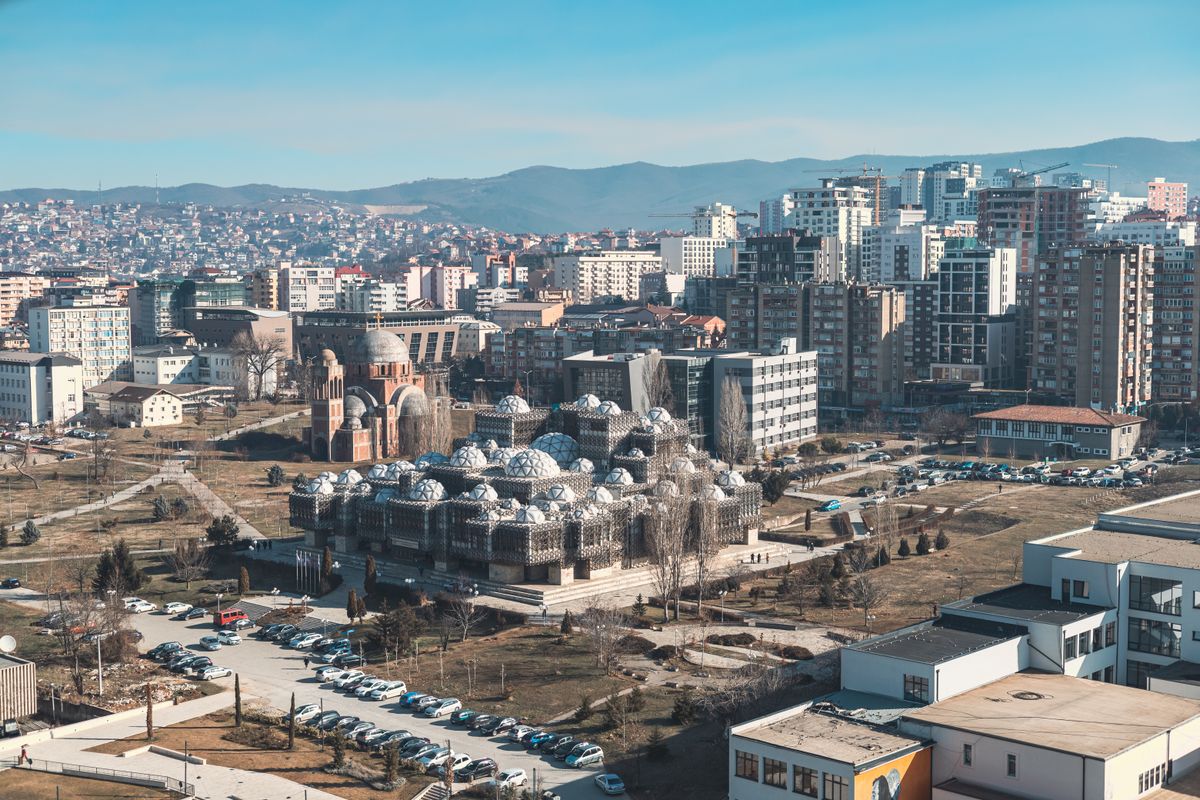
(968,754)
(1068,647)
(1110,634)
(774,773)
(1152,636)
(1085,641)
(746,765)
(1081,589)
(1097,639)
(1137,673)
(1011,766)
(804,781)
(916,688)
(1109,674)
(1155,594)
(1066,590)
(836,787)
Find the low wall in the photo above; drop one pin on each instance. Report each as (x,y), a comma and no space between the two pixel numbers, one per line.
(46,734)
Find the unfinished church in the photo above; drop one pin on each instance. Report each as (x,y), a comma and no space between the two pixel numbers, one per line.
(534,496)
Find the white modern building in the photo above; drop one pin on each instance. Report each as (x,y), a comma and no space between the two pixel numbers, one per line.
(166,365)
(903,248)
(606,273)
(372,295)
(779,388)
(1159,233)
(715,221)
(96,335)
(40,387)
(691,256)
(839,212)
(307,287)
(772,214)
(1114,207)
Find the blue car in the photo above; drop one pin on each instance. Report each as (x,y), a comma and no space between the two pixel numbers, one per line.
(408,698)
(830,505)
(535,741)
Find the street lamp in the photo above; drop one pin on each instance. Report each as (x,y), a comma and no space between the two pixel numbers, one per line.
(721,594)
(275,597)
(304,602)
(219,596)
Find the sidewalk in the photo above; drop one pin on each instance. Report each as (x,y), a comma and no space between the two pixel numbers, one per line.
(266,423)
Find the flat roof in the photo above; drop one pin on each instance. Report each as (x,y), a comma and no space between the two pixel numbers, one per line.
(864,706)
(1113,547)
(829,736)
(1184,508)
(1057,712)
(1064,415)
(1027,602)
(11,661)
(1179,672)
(940,640)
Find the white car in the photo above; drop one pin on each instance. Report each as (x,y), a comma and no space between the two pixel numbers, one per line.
(210,642)
(434,757)
(347,677)
(454,764)
(307,712)
(511,777)
(389,690)
(444,707)
(228,637)
(140,607)
(302,641)
(176,608)
(365,688)
(326,673)
(210,673)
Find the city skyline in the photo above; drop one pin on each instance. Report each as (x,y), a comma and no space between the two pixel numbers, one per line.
(351,98)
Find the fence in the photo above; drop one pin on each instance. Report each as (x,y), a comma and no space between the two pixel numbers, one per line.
(103,774)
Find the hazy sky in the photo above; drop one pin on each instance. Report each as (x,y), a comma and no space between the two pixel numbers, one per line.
(355,94)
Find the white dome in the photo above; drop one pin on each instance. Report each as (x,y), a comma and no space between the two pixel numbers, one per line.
(658,414)
(681,465)
(711,492)
(636,453)
(353,407)
(327,476)
(385,494)
(531,515)
(398,468)
(650,426)
(489,444)
(729,479)
(511,504)
(484,492)
(608,407)
(559,446)
(666,489)
(468,456)
(489,516)
(582,465)
(561,493)
(427,491)
(429,459)
(377,472)
(588,401)
(691,449)
(531,464)
(349,477)
(502,455)
(587,512)
(619,476)
(598,494)
(512,405)
(319,486)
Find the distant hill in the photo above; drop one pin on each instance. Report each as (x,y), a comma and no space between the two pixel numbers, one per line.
(552,199)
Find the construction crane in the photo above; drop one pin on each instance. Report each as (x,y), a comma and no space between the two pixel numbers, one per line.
(1110,168)
(1020,180)
(868,171)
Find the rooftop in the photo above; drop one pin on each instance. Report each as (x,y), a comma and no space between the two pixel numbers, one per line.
(828,736)
(1113,547)
(940,640)
(11,661)
(1057,712)
(1064,415)
(864,706)
(1026,602)
(138,393)
(1180,672)
(38,359)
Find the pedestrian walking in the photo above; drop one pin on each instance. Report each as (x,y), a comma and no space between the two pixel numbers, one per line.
(306,662)
(24,757)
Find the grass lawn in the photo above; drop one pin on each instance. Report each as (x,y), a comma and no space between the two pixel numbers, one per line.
(30,785)
(63,484)
(263,748)
(16,620)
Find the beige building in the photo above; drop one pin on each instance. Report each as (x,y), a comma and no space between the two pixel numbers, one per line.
(146,407)
(217,327)
(526,315)
(16,287)
(473,337)
(1064,432)
(263,288)
(607,273)
(40,387)
(18,688)
(857,332)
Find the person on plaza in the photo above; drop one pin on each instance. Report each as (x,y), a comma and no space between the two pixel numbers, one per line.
(306,662)
(24,757)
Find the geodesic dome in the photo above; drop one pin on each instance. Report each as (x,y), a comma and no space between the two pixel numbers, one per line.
(531,515)
(681,466)
(377,472)
(583,465)
(483,492)
(398,468)
(385,494)
(561,447)
(531,464)
(658,414)
(512,405)
(666,489)
(587,512)
(489,516)
(710,491)
(607,408)
(588,401)
(598,494)
(349,477)
(489,444)
(429,459)
(502,455)
(560,493)
(327,476)
(730,479)
(636,453)
(691,449)
(319,486)
(619,477)
(511,504)
(427,491)
(468,456)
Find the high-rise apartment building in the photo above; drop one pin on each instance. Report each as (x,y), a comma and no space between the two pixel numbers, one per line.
(790,257)
(307,287)
(759,314)
(372,295)
(156,306)
(446,281)
(692,256)
(779,387)
(974,319)
(716,221)
(96,335)
(904,248)
(606,273)
(494,269)
(856,331)
(1176,329)
(840,213)
(16,288)
(772,213)
(1092,334)
(1167,197)
(262,288)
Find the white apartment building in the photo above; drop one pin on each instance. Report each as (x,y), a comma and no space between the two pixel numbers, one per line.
(1114,207)
(372,295)
(779,388)
(839,212)
(691,256)
(606,273)
(163,365)
(903,248)
(40,387)
(772,213)
(15,288)
(306,287)
(1159,233)
(97,335)
(716,221)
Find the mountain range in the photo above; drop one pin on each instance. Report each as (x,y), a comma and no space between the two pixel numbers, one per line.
(544,199)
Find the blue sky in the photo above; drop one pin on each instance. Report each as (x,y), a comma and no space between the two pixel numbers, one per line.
(354,94)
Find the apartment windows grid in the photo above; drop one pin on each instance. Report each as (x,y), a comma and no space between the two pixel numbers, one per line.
(916,688)
(836,787)
(1155,594)
(774,773)
(1068,646)
(1154,637)
(746,765)
(1110,634)
(804,781)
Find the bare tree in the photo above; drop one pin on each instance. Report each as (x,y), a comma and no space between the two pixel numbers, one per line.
(23,463)
(104,456)
(604,627)
(189,561)
(887,523)
(733,420)
(943,426)
(262,356)
(658,382)
(706,547)
(665,530)
(463,616)
(865,591)
(79,572)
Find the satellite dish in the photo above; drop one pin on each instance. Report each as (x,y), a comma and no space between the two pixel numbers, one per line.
(7,644)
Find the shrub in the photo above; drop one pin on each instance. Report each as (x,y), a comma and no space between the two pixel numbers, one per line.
(923,544)
(942,541)
(904,551)
(795,652)
(275,476)
(731,639)
(664,652)
(585,709)
(685,710)
(634,645)
(831,445)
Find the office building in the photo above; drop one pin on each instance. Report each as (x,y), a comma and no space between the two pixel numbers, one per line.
(193,365)
(1060,432)
(372,295)
(17,288)
(96,335)
(482,300)
(1157,233)
(307,287)
(1166,197)
(840,213)
(40,387)
(445,282)
(605,274)
(1115,207)
(157,306)
(218,327)
(691,256)
(429,336)
(759,314)
(790,257)
(525,315)
(856,331)
(715,221)
(1093,325)
(1176,325)
(974,319)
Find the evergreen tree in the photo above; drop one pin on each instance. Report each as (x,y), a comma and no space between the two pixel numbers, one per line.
(162,511)
(567,625)
(275,476)
(352,605)
(393,630)
(923,544)
(370,581)
(639,606)
(361,608)
(585,709)
(116,570)
(299,482)
(808,519)
(149,713)
(243,582)
(903,550)
(292,724)
(392,773)
(838,570)
(636,700)
(882,557)
(179,508)
(684,711)
(326,563)
(237,701)
(656,745)
(942,541)
(4,536)
(30,533)
(339,750)
(223,531)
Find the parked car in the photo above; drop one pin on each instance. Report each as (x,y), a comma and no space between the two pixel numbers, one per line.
(592,754)
(213,672)
(576,749)
(498,725)
(210,642)
(474,770)
(345,722)
(463,717)
(353,731)
(176,608)
(195,667)
(453,764)
(140,607)
(432,757)
(305,713)
(283,634)
(349,660)
(426,702)
(161,652)
(180,662)
(511,777)
(303,641)
(443,707)
(365,688)
(563,747)
(228,637)
(877,457)
(535,740)
(411,748)
(516,732)
(10,583)
(239,624)
(349,677)
(267,631)
(328,672)
(373,738)
(610,783)
(194,613)
(408,698)
(830,505)
(327,720)
(480,721)
(389,690)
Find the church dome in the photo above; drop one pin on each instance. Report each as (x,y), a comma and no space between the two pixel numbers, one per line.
(378,346)
(353,407)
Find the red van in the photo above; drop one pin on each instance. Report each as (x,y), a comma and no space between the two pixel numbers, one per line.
(223,618)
